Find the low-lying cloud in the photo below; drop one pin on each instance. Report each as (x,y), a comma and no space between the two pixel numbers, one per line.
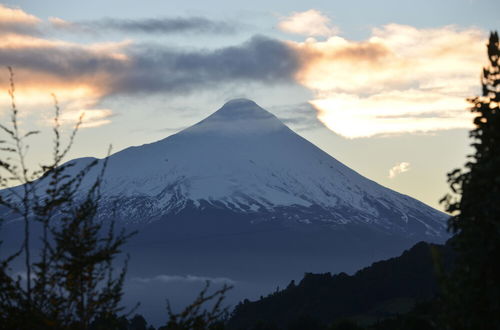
(185,279)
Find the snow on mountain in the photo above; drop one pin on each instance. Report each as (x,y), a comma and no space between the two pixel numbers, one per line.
(244,159)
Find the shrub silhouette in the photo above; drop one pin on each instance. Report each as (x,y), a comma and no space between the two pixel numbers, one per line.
(72,280)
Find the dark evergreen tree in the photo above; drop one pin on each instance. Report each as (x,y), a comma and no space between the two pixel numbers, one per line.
(473,290)
(110,322)
(138,323)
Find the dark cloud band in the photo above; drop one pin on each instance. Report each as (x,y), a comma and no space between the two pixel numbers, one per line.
(153,68)
(260,59)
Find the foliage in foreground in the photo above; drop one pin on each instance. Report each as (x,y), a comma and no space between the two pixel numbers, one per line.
(70,280)
(473,291)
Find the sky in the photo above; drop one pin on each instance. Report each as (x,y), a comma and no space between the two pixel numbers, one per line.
(379,85)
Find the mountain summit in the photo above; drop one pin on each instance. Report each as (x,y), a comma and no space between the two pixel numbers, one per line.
(238,117)
(240,109)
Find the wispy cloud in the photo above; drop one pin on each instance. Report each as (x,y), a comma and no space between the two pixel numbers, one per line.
(398,169)
(165,25)
(402,79)
(299,116)
(90,117)
(308,23)
(186,278)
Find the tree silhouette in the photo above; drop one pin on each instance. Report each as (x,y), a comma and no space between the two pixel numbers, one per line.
(473,290)
(72,280)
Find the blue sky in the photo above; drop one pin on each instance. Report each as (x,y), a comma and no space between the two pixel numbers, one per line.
(381,86)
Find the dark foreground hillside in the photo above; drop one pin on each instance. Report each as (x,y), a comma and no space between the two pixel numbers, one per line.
(384,289)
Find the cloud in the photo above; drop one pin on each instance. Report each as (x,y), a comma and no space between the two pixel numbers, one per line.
(187,278)
(166,25)
(402,79)
(79,75)
(299,116)
(398,169)
(391,112)
(159,69)
(82,75)
(127,67)
(14,20)
(90,117)
(308,23)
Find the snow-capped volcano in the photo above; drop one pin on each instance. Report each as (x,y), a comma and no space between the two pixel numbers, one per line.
(239,195)
(244,159)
